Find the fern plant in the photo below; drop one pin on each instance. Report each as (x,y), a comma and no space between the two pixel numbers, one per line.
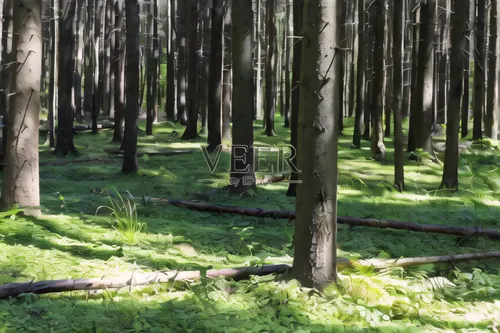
(124,211)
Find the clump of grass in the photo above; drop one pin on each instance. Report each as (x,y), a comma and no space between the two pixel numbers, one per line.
(124,211)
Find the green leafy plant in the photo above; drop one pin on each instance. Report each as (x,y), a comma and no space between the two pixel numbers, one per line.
(245,234)
(124,211)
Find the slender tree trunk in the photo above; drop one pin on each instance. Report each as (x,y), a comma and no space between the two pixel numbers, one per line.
(54,68)
(192,105)
(397,102)
(479,71)
(181,31)
(106,60)
(226,79)
(171,103)
(288,47)
(204,57)
(242,168)
(258,80)
(361,76)
(491,121)
(65,112)
(315,258)
(458,37)
(96,103)
(377,146)
(152,68)
(296,64)
(132,76)
(119,68)
(425,78)
(7,57)
(21,176)
(388,70)
(76,87)
(270,69)
(465,95)
(417,31)
(215,85)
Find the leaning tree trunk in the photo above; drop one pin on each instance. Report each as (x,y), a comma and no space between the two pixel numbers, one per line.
(397,101)
(294,117)
(242,173)
(458,37)
(425,78)
(21,177)
(315,257)
(479,73)
(377,142)
(215,79)
(65,112)
(132,77)
(119,68)
(192,103)
(270,109)
(492,110)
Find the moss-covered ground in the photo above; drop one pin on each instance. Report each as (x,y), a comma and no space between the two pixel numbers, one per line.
(71,241)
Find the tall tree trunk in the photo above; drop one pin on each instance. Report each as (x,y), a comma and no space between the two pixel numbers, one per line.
(132,76)
(119,68)
(270,69)
(215,80)
(76,87)
(397,101)
(152,67)
(226,74)
(204,63)
(6,73)
(361,76)
(288,28)
(491,121)
(377,142)
(458,37)
(296,64)
(96,64)
(242,169)
(171,103)
(65,112)
(106,60)
(479,71)
(192,105)
(425,78)
(417,31)
(21,177)
(181,31)
(54,68)
(315,258)
(465,95)
(259,115)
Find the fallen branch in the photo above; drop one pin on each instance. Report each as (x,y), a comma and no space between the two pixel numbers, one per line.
(407,262)
(166,152)
(131,280)
(351,221)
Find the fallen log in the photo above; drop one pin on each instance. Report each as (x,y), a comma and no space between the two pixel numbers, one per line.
(407,262)
(166,152)
(351,221)
(132,279)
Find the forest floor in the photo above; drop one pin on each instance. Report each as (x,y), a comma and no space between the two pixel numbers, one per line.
(71,241)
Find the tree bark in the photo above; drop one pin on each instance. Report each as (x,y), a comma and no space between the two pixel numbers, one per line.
(466,95)
(5,75)
(171,96)
(54,68)
(479,71)
(153,60)
(132,76)
(361,76)
(181,28)
(315,256)
(242,168)
(270,109)
(491,121)
(288,28)
(215,86)
(119,68)
(226,75)
(21,176)
(192,59)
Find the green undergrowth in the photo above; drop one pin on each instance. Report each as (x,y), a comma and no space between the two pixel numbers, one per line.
(71,241)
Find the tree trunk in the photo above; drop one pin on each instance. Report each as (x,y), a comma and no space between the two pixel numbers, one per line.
(96,61)
(226,79)
(458,37)
(106,60)
(119,68)
(242,168)
(171,103)
(192,59)
(361,76)
(54,68)
(465,95)
(491,121)
(479,71)
(270,69)
(377,142)
(152,68)
(397,102)
(315,257)
(259,115)
(21,176)
(65,112)
(6,73)
(297,60)
(423,113)
(181,31)
(215,86)
(288,47)
(132,77)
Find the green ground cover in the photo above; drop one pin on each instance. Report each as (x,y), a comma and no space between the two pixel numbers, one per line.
(71,241)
